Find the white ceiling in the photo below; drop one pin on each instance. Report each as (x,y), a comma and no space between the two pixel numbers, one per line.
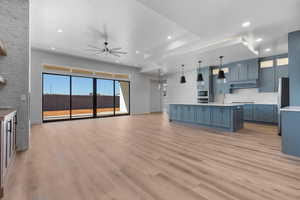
(200,29)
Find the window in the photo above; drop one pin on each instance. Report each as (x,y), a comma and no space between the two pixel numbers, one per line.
(282,61)
(216,71)
(266,64)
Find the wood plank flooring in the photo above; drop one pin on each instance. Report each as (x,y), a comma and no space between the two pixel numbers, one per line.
(146,157)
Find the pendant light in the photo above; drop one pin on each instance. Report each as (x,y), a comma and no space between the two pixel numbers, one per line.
(182,78)
(200,76)
(221,74)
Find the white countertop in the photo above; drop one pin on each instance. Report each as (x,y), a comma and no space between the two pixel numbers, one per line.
(208,104)
(291,108)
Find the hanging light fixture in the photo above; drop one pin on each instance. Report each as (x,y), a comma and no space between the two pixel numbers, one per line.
(182,78)
(200,76)
(221,74)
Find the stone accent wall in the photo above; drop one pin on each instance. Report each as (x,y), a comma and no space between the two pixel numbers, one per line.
(14,31)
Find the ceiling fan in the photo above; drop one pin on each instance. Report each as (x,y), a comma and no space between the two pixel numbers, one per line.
(106,50)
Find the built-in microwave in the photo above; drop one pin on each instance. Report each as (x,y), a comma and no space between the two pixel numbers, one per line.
(202,93)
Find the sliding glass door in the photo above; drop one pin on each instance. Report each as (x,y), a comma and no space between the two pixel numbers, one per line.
(56,97)
(82,97)
(73,97)
(105,97)
(121,97)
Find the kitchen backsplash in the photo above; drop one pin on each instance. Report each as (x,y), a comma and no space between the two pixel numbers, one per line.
(249,95)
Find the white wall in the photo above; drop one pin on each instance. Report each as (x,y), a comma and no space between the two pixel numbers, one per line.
(139,83)
(182,93)
(155,102)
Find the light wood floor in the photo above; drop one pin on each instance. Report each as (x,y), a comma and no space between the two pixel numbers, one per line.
(146,157)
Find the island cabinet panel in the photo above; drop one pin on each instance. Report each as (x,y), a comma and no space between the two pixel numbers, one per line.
(202,115)
(188,113)
(222,116)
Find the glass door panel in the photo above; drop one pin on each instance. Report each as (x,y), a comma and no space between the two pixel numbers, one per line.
(82,97)
(121,97)
(56,97)
(105,97)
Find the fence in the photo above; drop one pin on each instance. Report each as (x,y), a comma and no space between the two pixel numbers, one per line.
(53,102)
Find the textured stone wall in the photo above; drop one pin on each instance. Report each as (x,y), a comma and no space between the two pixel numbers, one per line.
(14,31)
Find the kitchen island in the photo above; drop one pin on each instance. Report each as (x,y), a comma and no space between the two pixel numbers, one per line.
(228,117)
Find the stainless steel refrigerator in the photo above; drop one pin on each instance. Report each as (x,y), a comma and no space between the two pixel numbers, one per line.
(283,98)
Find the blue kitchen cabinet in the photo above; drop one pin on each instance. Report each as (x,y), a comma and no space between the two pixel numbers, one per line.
(267,80)
(253,69)
(233,72)
(220,117)
(202,115)
(275,113)
(281,71)
(224,116)
(269,76)
(263,113)
(248,112)
(243,70)
(267,113)
(290,117)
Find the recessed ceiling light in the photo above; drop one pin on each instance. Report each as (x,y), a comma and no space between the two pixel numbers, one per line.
(59,30)
(246,24)
(268,50)
(245,43)
(169,37)
(52,48)
(259,40)
(137,52)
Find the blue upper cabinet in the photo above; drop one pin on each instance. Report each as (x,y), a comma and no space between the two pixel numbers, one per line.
(270,72)
(267,80)
(243,70)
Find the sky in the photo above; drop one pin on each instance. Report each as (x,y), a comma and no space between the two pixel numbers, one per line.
(56,84)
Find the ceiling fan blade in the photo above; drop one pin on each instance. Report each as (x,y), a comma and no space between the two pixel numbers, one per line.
(119,52)
(116,49)
(98,50)
(94,47)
